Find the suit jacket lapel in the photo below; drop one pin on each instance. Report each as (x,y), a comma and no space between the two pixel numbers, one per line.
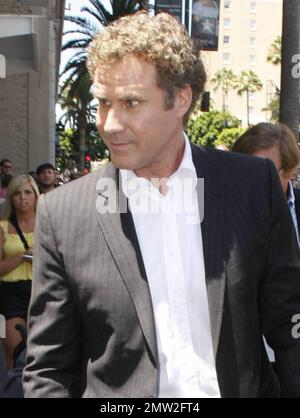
(120,236)
(214,234)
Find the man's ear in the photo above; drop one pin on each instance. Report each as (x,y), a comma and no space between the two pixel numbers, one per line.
(183,99)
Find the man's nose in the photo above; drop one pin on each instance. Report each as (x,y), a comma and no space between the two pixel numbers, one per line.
(113,122)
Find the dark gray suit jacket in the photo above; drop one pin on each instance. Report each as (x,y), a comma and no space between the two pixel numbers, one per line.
(91,326)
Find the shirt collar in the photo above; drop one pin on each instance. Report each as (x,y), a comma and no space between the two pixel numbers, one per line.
(291,195)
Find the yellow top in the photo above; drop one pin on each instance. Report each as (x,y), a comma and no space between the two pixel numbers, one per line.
(13,246)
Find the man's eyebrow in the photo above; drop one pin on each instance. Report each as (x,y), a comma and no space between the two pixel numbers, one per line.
(132,96)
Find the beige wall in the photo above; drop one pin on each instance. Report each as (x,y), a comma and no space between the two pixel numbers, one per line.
(268,17)
(27,100)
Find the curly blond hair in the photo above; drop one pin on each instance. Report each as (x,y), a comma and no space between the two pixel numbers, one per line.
(158,39)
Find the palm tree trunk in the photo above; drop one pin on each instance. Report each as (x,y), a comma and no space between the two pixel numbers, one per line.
(223,92)
(289,108)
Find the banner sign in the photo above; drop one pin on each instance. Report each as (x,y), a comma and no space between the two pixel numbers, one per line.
(201,18)
(205,23)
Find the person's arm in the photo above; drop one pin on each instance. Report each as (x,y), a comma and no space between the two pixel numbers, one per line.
(8,265)
(280,292)
(53,363)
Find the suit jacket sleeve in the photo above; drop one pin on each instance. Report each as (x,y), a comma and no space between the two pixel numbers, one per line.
(280,292)
(53,365)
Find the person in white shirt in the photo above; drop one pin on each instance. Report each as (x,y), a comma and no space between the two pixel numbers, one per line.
(152,274)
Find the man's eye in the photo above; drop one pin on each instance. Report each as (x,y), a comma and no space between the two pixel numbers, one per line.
(103,103)
(131,103)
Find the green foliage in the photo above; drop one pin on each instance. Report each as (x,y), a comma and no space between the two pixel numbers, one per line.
(273,107)
(248,81)
(224,78)
(274,51)
(70,148)
(228,137)
(67,139)
(206,129)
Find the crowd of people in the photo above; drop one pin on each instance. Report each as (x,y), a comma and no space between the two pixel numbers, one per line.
(125,303)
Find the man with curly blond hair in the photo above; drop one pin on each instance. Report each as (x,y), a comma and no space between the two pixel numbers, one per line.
(157,275)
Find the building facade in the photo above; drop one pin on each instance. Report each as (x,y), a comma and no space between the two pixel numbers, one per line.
(247,30)
(30,44)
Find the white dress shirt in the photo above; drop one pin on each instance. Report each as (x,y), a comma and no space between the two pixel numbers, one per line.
(169,235)
(291,203)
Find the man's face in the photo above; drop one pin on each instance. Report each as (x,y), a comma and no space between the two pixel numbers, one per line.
(46,177)
(132,118)
(6,168)
(273,154)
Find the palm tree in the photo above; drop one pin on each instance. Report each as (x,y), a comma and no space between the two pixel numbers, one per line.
(274,52)
(71,102)
(248,82)
(289,93)
(93,18)
(226,79)
(76,99)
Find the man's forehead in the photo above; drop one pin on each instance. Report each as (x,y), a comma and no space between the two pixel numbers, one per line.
(131,70)
(46,171)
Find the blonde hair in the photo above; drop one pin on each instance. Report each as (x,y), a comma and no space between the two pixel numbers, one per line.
(13,187)
(160,40)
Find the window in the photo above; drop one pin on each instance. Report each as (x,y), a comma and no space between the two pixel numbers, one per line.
(226,58)
(251,95)
(252,59)
(227,4)
(253,6)
(252,42)
(227,23)
(253,24)
(251,110)
(226,39)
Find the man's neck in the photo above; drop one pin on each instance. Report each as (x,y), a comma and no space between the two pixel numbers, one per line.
(46,189)
(160,172)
